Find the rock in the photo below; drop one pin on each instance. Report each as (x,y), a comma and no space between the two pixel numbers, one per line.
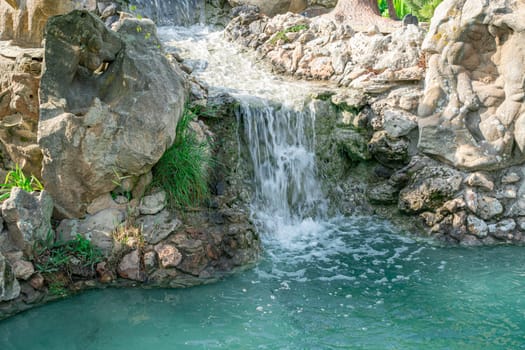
(24,22)
(105,274)
(510,178)
(268,7)
(28,216)
(470,241)
(430,185)
(488,207)
(23,269)
(150,261)
(9,286)
(480,180)
(398,123)
(155,228)
(472,106)
(130,267)
(37,281)
(110,109)
(477,227)
(103,202)
(169,255)
(503,229)
(384,193)
(352,143)
(153,204)
(19,81)
(388,151)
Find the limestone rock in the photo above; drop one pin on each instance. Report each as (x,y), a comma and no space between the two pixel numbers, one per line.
(130,267)
(153,204)
(9,286)
(388,151)
(398,123)
(155,228)
(169,255)
(488,207)
(503,229)
(352,143)
(110,108)
(472,110)
(268,7)
(480,180)
(28,216)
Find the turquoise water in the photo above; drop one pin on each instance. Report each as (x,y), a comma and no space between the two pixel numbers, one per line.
(341,284)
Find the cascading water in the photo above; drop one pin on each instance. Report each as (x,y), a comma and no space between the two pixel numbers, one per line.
(171,12)
(323,283)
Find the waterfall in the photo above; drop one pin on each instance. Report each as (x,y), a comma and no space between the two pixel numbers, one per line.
(281,144)
(171,12)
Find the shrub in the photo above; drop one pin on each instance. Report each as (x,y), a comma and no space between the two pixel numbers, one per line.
(16,178)
(183,169)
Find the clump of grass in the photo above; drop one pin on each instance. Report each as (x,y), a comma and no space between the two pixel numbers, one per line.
(281,35)
(52,257)
(130,235)
(182,172)
(422,9)
(17,178)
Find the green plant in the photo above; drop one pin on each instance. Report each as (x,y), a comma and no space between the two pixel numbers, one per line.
(82,249)
(183,169)
(281,35)
(17,178)
(58,288)
(422,9)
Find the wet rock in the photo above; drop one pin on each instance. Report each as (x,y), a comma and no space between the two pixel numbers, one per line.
(130,267)
(398,123)
(169,255)
(105,275)
(503,229)
(110,109)
(389,151)
(383,193)
(477,227)
(37,281)
(155,228)
(153,204)
(470,241)
(9,286)
(352,143)
(28,216)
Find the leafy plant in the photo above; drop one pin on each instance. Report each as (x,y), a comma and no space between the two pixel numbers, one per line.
(58,288)
(17,178)
(422,9)
(183,169)
(281,35)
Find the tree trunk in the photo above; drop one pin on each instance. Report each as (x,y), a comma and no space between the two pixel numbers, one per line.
(357,8)
(392,10)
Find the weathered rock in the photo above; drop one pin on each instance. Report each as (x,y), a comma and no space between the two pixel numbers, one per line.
(398,123)
(503,229)
(28,216)
(477,227)
(429,187)
(472,110)
(384,193)
(150,261)
(109,109)
(153,204)
(155,228)
(510,178)
(352,143)
(24,21)
(169,255)
(488,207)
(388,151)
(268,7)
(130,267)
(9,286)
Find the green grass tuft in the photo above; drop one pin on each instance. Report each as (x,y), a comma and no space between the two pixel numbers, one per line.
(16,178)
(183,169)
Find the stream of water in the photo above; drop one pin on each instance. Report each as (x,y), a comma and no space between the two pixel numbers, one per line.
(322,283)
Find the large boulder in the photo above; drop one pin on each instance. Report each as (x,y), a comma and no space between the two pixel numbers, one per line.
(472,113)
(268,7)
(23,21)
(110,103)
